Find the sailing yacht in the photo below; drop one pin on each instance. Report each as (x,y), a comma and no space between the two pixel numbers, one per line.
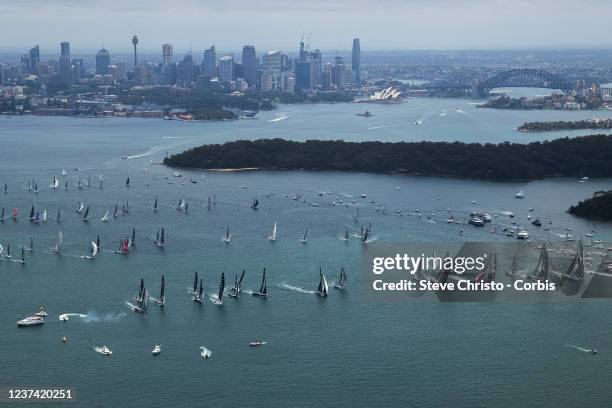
(160,238)
(93,251)
(303,240)
(132,240)
(273,236)
(194,290)
(64,173)
(155,205)
(255,204)
(115,212)
(219,299)
(124,247)
(227,236)
(263,289)
(127,182)
(80,207)
(84,219)
(44,216)
(57,249)
(345,236)
(141,301)
(341,281)
(58,218)
(55,183)
(100,181)
(2,217)
(21,260)
(31,247)
(323,286)
(541,270)
(8,251)
(356,215)
(199,295)
(513,267)
(106,217)
(161,301)
(235,290)
(14,213)
(181,205)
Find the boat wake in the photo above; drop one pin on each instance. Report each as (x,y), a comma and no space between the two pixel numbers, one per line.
(93,317)
(136,156)
(297,289)
(584,350)
(280,116)
(176,137)
(375,127)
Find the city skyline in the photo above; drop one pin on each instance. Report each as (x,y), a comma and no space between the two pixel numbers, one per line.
(414,24)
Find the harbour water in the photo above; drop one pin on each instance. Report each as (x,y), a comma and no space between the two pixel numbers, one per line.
(336,351)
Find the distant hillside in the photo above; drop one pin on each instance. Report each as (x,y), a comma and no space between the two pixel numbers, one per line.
(598,207)
(577,157)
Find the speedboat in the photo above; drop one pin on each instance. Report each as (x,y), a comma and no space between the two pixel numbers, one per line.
(536,222)
(593,351)
(522,235)
(205,352)
(257,343)
(156,350)
(41,313)
(30,321)
(477,222)
(520,194)
(105,351)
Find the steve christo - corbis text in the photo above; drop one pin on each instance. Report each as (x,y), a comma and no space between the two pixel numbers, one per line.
(458,265)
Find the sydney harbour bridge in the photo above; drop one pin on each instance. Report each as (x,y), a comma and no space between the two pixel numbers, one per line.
(520,77)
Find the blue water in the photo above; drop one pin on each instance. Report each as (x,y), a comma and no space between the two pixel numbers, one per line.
(338,351)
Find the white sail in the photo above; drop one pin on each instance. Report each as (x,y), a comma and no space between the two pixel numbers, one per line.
(106,217)
(94,249)
(273,236)
(100,181)
(64,173)
(44,216)
(58,243)
(55,183)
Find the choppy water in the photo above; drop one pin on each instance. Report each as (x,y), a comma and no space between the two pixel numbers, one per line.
(337,351)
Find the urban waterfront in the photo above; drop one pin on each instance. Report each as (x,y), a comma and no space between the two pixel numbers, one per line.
(332,351)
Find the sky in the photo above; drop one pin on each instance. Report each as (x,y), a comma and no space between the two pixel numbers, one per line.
(325,24)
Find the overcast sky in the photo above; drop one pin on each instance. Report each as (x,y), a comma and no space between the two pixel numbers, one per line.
(330,24)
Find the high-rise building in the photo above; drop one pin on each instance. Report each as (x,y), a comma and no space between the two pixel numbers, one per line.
(166,54)
(184,71)
(303,75)
(271,64)
(135,44)
(209,65)
(249,65)
(356,62)
(64,68)
(102,62)
(226,68)
(34,59)
(316,68)
(339,73)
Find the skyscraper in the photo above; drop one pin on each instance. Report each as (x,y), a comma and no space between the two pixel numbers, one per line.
(65,69)
(226,68)
(167,53)
(184,71)
(249,65)
(102,62)
(34,59)
(209,65)
(271,64)
(356,62)
(135,43)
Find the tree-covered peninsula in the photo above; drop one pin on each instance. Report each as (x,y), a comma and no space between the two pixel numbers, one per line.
(590,124)
(598,207)
(571,157)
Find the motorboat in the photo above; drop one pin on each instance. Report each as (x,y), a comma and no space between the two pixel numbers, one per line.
(477,222)
(41,313)
(522,234)
(536,222)
(206,353)
(365,114)
(30,321)
(105,351)
(520,194)
(257,343)
(156,350)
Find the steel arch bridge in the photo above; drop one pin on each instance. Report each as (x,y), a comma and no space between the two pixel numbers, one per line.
(523,77)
